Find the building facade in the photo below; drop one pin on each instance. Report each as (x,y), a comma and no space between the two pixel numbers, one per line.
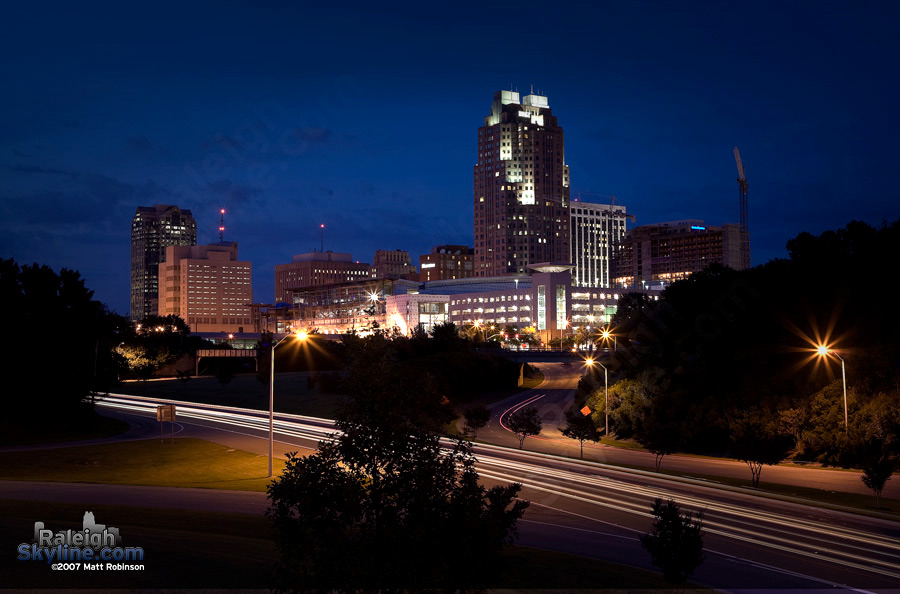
(153,229)
(595,229)
(447,262)
(316,269)
(667,252)
(207,286)
(545,301)
(393,264)
(406,311)
(521,187)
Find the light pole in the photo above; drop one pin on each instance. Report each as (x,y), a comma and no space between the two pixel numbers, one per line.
(824,351)
(590,362)
(300,336)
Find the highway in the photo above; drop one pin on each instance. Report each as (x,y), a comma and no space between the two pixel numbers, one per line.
(553,397)
(598,510)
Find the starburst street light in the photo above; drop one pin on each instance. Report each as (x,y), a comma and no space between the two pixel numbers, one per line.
(823,351)
(301,336)
(606,335)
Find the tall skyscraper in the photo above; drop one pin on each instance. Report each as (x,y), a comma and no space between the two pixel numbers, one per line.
(153,229)
(521,187)
(595,231)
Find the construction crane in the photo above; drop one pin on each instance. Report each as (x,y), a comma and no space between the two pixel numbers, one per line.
(745,218)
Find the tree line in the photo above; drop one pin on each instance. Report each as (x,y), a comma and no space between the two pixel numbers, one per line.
(725,362)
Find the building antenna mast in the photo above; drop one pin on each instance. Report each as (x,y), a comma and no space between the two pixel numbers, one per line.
(322,238)
(745,219)
(221,225)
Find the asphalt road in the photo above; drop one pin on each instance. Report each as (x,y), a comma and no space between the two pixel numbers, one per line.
(555,395)
(598,510)
(587,508)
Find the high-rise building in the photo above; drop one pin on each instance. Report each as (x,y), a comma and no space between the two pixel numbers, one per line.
(315,269)
(153,229)
(521,187)
(207,286)
(666,252)
(595,230)
(393,264)
(446,262)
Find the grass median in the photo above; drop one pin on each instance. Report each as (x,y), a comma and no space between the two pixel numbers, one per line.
(181,462)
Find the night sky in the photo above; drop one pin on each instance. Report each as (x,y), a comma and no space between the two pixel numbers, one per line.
(365,117)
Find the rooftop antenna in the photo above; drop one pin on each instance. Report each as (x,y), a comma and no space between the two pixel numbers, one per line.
(322,239)
(221,225)
(745,219)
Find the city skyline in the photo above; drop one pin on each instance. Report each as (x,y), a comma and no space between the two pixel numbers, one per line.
(366,121)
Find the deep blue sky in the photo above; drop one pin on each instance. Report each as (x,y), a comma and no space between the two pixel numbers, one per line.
(365,117)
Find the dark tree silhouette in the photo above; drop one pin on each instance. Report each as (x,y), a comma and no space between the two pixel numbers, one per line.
(477,416)
(758,442)
(524,422)
(876,473)
(581,428)
(675,542)
(383,507)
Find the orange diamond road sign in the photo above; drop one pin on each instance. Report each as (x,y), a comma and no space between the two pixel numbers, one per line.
(585,411)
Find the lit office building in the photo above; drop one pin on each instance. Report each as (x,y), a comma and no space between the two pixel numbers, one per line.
(316,269)
(446,262)
(153,229)
(207,286)
(595,230)
(660,254)
(521,187)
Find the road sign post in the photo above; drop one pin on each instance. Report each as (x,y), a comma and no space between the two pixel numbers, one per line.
(166,412)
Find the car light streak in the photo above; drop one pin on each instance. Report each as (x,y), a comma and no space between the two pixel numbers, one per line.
(582,481)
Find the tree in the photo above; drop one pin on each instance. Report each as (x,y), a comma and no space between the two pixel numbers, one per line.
(758,442)
(661,429)
(675,542)
(477,416)
(525,422)
(580,427)
(876,473)
(225,372)
(184,376)
(382,506)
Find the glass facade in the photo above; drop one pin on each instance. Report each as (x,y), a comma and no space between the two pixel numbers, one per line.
(542,307)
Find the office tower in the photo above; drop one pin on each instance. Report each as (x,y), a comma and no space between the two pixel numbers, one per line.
(595,230)
(315,269)
(666,252)
(521,187)
(153,229)
(446,262)
(207,286)
(393,264)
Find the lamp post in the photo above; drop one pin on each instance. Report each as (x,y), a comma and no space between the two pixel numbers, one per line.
(590,362)
(824,351)
(300,336)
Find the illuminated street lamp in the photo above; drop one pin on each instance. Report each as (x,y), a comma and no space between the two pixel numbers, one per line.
(300,336)
(605,335)
(590,363)
(824,351)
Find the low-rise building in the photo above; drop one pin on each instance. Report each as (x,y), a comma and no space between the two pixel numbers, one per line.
(447,262)
(315,269)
